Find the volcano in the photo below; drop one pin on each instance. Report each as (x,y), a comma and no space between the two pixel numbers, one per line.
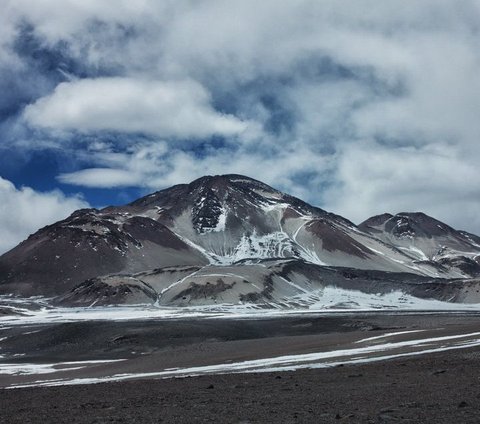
(233,239)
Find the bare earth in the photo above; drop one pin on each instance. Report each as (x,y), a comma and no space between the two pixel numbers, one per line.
(440,387)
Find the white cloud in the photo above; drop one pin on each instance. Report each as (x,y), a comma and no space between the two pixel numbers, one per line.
(155,166)
(167,109)
(54,20)
(101,177)
(440,99)
(23,211)
(381,97)
(437,180)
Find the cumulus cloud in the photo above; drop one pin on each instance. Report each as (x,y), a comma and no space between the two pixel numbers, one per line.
(168,109)
(360,107)
(23,211)
(155,165)
(437,180)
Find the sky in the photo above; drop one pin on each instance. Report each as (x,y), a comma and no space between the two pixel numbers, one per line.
(356,106)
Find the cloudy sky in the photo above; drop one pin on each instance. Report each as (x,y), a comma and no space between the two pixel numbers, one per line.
(359,107)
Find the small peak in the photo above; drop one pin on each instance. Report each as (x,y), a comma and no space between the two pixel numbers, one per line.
(413,215)
(419,224)
(418,217)
(226,180)
(376,220)
(210,182)
(223,178)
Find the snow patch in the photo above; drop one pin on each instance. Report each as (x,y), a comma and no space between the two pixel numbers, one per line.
(222,220)
(28,369)
(273,245)
(372,353)
(415,251)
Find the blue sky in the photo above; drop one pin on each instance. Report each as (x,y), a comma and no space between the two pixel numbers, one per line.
(360,107)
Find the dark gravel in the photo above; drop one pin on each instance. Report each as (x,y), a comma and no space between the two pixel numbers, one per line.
(438,388)
(435,388)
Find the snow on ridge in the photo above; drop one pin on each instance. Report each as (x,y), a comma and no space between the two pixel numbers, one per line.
(268,207)
(311,256)
(273,245)
(269,195)
(211,257)
(221,223)
(416,252)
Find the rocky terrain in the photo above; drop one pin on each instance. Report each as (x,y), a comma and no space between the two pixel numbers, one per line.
(438,389)
(231,239)
(431,374)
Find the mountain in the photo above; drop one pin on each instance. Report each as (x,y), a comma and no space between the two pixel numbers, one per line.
(233,239)
(428,240)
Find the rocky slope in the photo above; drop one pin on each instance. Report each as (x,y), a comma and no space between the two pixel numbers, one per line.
(234,239)
(428,240)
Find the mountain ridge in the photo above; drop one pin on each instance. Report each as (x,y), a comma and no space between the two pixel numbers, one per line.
(220,222)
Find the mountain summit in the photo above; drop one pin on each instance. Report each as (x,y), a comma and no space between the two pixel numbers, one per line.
(227,234)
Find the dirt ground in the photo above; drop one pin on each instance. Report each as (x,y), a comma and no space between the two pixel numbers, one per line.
(442,387)
(437,388)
